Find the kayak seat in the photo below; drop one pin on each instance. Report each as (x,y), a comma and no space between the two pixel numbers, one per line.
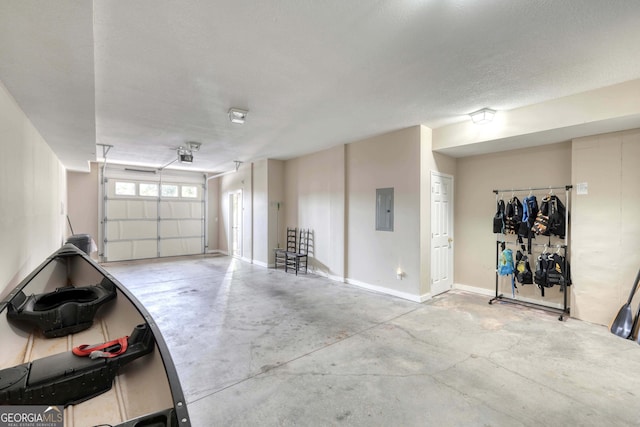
(64,311)
(67,379)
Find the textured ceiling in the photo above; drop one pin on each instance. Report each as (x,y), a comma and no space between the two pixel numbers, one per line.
(148,76)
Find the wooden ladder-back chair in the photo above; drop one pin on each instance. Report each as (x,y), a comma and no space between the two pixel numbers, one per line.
(298,259)
(281,253)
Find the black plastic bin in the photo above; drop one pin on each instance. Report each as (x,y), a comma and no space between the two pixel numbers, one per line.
(82,242)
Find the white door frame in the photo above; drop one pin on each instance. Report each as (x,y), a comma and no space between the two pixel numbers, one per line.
(235,224)
(436,285)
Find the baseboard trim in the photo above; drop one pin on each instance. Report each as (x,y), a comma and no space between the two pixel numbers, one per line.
(261,264)
(425,297)
(475,289)
(387,291)
(340,279)
(217,251)
(327,275)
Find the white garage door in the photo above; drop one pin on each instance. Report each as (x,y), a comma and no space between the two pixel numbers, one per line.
(152,215)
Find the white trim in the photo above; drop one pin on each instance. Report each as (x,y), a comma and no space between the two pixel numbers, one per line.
(239,193)
(340,279)
(245,259)
(261,264)
(388,291)
(217,251)
(322,273)
(475,289)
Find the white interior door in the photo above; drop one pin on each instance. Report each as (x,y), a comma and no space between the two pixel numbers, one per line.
(235,205)
(441,233)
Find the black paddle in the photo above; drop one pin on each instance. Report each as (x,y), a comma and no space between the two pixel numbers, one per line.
(623,323)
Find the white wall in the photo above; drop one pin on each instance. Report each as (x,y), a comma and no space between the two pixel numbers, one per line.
(315,199)
(475,205)
(277,227)
(373,257)
(32,195)
(82,201)
(593,112)
(260,214)
(333,193)
(605,225)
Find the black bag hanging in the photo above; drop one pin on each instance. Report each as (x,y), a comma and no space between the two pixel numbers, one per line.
(540,275)
(555,274)
(513,216)
(524,229)
(523,269)
(523,272)
(529,210)
(558,271)
(557,212)
(498,219)
(541,223)
(529,213)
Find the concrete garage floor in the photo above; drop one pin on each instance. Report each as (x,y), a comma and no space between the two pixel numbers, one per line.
(258,347)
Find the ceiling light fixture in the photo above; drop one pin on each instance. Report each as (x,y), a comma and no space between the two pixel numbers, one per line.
(482,116)
(194,146)
(237,115)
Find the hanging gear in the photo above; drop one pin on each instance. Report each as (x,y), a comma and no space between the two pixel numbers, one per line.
(551,217)
(541,223)
(498,219)
(513,216)
(529,213)
(505,265)
(540,275)
(551,270)
(523,269)
(523,272)
(557,224)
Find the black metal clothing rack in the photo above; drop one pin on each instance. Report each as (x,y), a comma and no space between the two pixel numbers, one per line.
(565,310)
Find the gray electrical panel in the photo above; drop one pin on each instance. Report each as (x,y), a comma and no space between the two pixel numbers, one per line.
(384,209)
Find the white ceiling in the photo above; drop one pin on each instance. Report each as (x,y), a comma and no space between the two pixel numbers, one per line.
(149,75)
